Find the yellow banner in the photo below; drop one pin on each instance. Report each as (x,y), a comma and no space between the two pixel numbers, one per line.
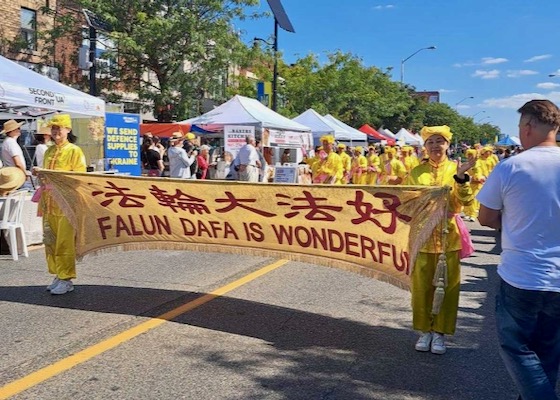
(372,230)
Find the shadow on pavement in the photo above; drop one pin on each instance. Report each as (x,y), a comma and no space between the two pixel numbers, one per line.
(321,354)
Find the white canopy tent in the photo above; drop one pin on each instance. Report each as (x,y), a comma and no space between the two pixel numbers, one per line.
(405,136)
(321,126)
(241,110)
(350,134)
(387,132)
(20,86)
(316,122)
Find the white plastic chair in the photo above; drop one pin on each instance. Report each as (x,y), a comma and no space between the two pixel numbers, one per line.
(11,222)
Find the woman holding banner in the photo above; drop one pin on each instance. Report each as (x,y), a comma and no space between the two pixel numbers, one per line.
(58,234)
(436,277)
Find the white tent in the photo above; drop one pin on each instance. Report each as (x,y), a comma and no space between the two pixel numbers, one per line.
(350,134)
(319,126)
(405,136)
(241,110)
(20,86)
(387,132)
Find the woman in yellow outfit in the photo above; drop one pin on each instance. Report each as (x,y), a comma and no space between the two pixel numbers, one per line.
(59,235)
(410,161)
(439,171)
(393,171)
(477,174)
(359,166)
(373,166)
(346,163)
(329,167)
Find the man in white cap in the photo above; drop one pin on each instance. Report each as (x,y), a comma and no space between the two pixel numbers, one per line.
(12,155)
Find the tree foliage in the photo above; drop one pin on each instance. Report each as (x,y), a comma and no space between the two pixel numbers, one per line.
(174,53)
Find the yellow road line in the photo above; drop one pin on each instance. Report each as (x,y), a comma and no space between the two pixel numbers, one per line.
(45,373)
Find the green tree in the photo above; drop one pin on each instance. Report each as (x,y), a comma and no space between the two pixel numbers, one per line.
(172,53)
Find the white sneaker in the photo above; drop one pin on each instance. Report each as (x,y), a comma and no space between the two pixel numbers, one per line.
(423,343)
(438,344)
(53,284)
(62,287)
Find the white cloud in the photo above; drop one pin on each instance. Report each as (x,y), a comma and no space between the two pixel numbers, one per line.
(548,85)
(465,64)
(517,100)
(483,61)
(385,7)
(446,90)
(519,73)
(538,58)
(557,72)
(463,106)
(486,74)
(493,60)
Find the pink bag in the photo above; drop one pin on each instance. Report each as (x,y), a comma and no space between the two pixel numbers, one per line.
(37,195)
(467,247)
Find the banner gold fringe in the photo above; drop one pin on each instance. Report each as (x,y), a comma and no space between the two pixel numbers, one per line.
(250,251)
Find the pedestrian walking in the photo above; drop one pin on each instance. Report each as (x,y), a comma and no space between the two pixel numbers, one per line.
(522,198)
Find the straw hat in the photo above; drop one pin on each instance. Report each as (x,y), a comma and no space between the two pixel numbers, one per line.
(11,178)
(11,125)
(176,136)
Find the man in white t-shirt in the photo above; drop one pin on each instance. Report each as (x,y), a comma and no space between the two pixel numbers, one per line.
(249,164)
(522,197)
(12,155)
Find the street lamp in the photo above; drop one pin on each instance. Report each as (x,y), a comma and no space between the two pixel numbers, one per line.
(475,114)
(280,19)
(410,56)
(466,98)
(274,45)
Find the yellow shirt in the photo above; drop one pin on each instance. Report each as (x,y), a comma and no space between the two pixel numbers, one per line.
(373,166)
(64,157)
(346,163)
(393,167)
(430,174)
(359,169)
(331,167)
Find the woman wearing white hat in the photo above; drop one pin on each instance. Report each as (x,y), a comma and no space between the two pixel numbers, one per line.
(12,155)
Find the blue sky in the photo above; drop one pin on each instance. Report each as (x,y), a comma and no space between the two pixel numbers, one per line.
(498,51)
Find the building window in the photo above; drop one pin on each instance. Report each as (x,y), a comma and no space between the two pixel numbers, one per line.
(29,28)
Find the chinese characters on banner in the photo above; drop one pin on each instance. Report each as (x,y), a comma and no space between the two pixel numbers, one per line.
(376,231)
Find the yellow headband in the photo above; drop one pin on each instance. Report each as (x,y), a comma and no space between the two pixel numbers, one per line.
(359,149)
(442,130)
(341,146)
(61,120)
(472,152)
(390,150)
(327,138)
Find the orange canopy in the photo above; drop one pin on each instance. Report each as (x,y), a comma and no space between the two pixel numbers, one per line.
(163,130)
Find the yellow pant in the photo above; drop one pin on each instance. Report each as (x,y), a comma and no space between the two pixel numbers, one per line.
(472,209)
(61,255)
(423,294)
(371,178)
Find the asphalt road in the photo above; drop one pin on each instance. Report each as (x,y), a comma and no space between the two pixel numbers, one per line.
(296,331)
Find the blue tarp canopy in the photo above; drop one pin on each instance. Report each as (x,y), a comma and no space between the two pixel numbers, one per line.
(508,141)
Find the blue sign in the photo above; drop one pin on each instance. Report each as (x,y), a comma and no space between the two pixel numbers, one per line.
(122,142)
